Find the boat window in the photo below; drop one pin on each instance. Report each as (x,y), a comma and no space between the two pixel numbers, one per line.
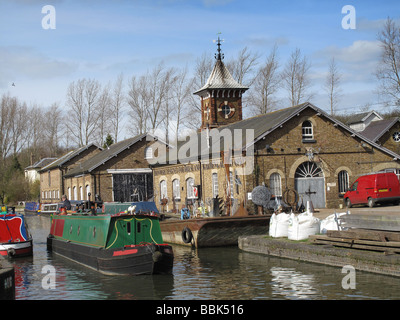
(128,228)
(70,229)
(94,232)
(79,230)
(139,227)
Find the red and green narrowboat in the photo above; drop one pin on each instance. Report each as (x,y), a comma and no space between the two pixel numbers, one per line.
(113,243)
(15,240)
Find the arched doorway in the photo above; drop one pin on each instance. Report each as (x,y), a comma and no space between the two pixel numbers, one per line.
(310,184)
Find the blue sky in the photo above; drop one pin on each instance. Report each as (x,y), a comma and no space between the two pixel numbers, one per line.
(100,39)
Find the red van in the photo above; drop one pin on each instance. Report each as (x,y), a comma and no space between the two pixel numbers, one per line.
(374,188)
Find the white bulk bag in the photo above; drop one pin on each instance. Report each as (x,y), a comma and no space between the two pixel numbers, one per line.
(278,225)
(302,226)
(330,222)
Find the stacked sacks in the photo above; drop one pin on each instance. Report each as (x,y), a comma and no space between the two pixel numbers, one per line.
(331,222)
(278,225)
(302,226)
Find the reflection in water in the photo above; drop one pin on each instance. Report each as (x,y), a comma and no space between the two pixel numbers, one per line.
(289,283)
(212,274)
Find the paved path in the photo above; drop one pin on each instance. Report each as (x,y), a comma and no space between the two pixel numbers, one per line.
(379,210)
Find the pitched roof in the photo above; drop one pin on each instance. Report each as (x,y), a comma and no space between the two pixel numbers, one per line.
(107,154)
(221,78)
(377,129)
(262,126)
(209,143)
(361,117)
(67,157)
(41,163)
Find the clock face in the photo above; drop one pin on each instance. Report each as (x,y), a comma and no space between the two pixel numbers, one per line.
(396,136)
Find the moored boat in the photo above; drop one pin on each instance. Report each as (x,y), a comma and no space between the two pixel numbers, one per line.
(118,243)
(213,231)
(15,240)
(32,207)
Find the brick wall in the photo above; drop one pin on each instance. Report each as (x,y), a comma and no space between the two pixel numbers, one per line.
(283,151)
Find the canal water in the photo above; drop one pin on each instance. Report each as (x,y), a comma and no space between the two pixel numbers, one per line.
(209,274)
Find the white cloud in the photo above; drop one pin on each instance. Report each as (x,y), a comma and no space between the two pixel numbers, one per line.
(356,62)
(25,62)
(360,51)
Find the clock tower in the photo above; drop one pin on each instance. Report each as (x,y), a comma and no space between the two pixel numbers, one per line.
(221,96)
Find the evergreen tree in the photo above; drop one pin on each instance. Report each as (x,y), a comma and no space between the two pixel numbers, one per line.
(108,142)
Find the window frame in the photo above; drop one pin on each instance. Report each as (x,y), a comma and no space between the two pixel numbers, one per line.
(307,131)
(176,189)
(343,181)
(275,184)
(189,188)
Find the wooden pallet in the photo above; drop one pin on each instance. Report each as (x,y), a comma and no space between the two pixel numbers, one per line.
(364,234)
(387,242)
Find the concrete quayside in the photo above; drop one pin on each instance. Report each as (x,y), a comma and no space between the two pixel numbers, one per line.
(368,248)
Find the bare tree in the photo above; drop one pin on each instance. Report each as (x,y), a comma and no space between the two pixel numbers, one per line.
(266,84)
(159,80)
(242,67)
(117,103)
(36,129)
(148,96)
(139,103)
(332,84)
(202,71)
(388,72)
(296,79)
(104,126)
(180,97)
(82,100)
(13,126)
(54,129)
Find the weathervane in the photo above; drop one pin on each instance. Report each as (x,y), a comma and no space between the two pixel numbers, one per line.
(219,56)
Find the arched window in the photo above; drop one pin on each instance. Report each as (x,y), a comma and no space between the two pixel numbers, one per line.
(163,189)
(308,170)
(176,189)
(75,193)
(189,188)
(215,184)
(275,184)
(229,187)
(87,191)
(307,131)
(343,181)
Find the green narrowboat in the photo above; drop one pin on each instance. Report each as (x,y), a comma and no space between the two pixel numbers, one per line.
(118,243)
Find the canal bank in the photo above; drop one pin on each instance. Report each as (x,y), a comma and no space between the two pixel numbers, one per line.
(376,262)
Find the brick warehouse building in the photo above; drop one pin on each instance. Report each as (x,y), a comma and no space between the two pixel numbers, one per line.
(51,176)
(300,148)
(120,172)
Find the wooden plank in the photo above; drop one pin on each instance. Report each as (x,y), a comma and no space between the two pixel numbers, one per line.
(363,234)
(374,222)
(391,246)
